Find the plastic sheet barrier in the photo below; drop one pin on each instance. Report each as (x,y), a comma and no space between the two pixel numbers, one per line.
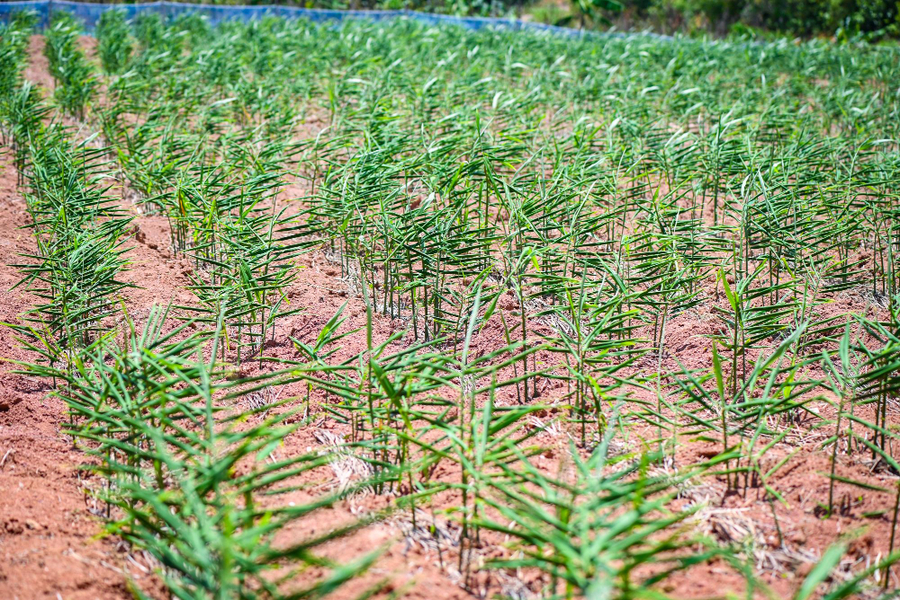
(89,14)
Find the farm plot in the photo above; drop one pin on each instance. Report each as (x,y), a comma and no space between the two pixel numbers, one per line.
(391,310)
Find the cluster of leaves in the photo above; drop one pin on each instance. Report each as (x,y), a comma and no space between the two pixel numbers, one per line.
(187,479)
(866,20)
(114,41)
(17,117)
(76,81)
(79,231)
(217,182)
(14,37)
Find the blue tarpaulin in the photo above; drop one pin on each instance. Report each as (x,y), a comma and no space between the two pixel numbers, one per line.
(89,14)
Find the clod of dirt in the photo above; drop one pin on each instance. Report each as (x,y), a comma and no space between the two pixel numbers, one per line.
(8,403)
(14,527)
